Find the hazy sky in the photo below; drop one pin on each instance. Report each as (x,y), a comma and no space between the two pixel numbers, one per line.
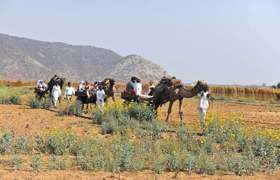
(220,41)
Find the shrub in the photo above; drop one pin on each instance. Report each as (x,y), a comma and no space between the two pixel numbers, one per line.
(242,165)
(262,146)
(6,144)
(109,126)
(39,144)
(159,164)
(21,145)
(141,112)
(122,151)
(16,162)
(85,163)
(188,162)
(205,164)
(93,155)
(72,109)
(60,143)
(35,104)
(43,104)
(57,163)
(97,117)
(174,162)
(37,163)
(15,100)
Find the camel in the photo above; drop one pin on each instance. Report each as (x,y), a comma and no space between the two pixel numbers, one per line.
(109,88)
(164,93)
(55,79)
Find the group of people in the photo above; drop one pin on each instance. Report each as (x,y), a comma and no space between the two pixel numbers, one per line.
(133,87)
(70,91)
(97,87)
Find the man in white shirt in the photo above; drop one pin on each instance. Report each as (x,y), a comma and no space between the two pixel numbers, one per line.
(100,98)
(69,92)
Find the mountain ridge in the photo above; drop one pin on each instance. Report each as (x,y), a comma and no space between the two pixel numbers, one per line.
(27,59)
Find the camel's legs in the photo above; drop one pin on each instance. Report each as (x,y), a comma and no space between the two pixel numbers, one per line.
(180,109)
(169,110)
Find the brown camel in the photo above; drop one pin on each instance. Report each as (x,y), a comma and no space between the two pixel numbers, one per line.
(164,94)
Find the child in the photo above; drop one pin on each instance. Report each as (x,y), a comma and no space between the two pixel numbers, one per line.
(56,93)
(69,92)
(203,106)
(100,97)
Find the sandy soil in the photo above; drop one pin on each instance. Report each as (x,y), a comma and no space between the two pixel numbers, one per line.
(146,175)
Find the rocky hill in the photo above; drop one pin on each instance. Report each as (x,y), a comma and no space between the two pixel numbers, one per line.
(134,65)
(26,59)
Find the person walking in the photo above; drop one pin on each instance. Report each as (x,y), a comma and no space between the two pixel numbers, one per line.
(100,98)
(202,108)
(69,92)
(56,93)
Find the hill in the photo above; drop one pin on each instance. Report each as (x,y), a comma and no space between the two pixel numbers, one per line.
(137,66)
(27,59)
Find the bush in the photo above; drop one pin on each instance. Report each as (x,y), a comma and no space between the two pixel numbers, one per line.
(141,112)
(34,104)
(205,164)
(263,146)
(43,104)
(15,100)
(72,109)
(85,163)
(21,145)
(37,163)
(6,144)
(174,162)
(188,162)
(16,162)
(60,143)
(241,164)
(57,163)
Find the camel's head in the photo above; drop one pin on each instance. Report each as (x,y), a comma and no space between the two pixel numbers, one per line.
(201,86)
